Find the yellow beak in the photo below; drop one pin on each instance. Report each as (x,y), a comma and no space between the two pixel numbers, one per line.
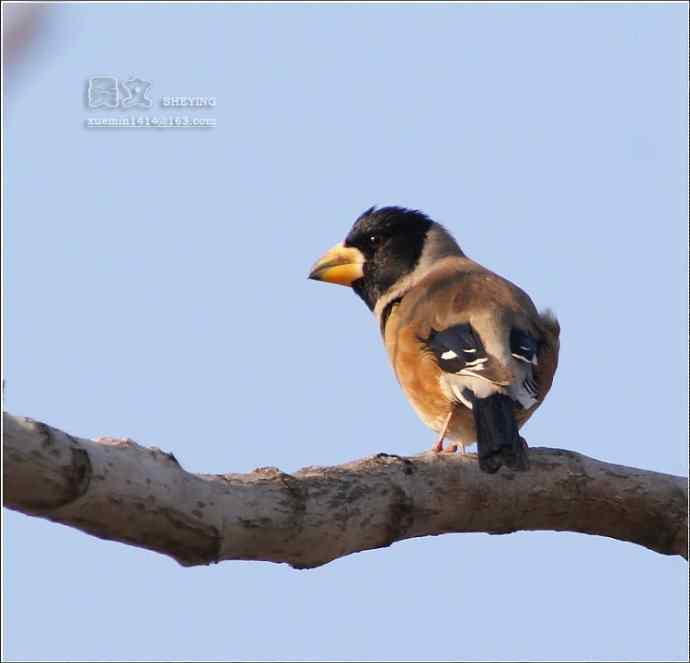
(341,265)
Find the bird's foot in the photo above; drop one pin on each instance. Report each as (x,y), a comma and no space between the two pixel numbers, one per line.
(438,448)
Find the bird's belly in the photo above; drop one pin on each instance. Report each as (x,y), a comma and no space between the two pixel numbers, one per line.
(421,384)
(434,418)
(461,428)
(419,379)
(434,411)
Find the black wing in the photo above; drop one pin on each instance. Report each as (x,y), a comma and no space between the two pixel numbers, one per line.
(456,348)
(523,346)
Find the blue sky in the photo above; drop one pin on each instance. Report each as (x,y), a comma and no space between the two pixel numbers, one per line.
(156,288)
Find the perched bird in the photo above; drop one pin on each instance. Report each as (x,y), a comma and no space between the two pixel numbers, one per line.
(470,350)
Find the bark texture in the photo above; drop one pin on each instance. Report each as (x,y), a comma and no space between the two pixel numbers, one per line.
(116,489)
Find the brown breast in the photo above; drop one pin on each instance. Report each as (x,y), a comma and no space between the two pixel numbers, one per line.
(416,371)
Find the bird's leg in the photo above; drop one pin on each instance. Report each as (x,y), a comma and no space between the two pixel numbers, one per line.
(438,445)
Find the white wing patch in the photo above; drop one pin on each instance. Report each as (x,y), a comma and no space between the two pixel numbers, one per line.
(476,364)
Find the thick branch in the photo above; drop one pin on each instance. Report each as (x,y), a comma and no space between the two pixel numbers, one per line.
(117,489)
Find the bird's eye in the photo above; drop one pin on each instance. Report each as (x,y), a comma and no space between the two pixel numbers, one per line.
(374,240)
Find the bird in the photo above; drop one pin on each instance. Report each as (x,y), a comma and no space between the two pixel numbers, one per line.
(471,352)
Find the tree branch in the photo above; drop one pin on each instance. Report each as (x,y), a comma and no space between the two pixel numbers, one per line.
(117,489)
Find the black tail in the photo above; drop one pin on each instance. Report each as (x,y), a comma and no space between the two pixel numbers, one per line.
(498,440)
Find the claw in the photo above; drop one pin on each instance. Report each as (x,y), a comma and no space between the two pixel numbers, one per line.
(438,445)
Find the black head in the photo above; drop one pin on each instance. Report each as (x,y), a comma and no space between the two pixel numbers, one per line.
(391,239)
(384,246)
